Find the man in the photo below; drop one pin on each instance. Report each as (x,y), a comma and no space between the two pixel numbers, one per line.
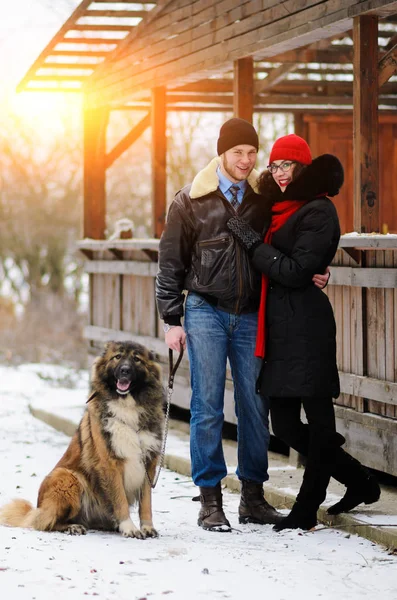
(198,254)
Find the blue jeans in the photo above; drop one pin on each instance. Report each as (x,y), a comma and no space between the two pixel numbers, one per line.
(212,337)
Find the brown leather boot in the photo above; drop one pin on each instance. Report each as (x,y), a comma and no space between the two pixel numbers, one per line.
(253,506)
(211,515)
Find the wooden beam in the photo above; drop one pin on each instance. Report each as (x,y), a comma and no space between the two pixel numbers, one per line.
(82,52)
(123,2)
(224,100)
(119,244)
(219,40)
(274,78)
(159,160)
(90,40)
(131,14)
(91,27)
(366,277)
(369,242)
(68,66)
(378,8)
(392,42)
(128,140)
(77,13)
(205,86)
(369,387)
(388,66)
(58,88)
(153,15)
(334,55)
(304,99)
(105,334)
(311,71)
(60,77)
(95,125)
(122,267)
(301,86)
(365,125)
(243,88)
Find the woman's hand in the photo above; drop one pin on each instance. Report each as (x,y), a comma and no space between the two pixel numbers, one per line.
(321,281)
(246,236)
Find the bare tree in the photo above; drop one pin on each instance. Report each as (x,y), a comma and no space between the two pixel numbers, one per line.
(40,208)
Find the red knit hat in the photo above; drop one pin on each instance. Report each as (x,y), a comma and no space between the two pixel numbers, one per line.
(291,147)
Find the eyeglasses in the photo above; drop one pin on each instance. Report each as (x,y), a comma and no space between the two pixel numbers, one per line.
(285,166)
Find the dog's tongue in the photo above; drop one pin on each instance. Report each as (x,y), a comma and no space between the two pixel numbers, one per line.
(123,386)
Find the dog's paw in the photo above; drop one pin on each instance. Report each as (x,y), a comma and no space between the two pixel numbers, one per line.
(148,531)
(128,529)
(76,529)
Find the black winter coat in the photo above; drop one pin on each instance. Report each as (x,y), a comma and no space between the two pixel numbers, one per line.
(301,346)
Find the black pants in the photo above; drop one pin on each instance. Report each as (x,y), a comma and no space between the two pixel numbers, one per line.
(318,441)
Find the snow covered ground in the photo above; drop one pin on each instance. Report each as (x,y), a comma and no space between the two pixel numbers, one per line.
(184,563)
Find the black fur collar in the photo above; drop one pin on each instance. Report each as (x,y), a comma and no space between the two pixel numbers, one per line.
(324,177)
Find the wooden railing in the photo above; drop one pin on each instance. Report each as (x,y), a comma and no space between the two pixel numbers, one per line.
(363,292)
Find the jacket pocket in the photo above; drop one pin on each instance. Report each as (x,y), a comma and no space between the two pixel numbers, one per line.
(213,264)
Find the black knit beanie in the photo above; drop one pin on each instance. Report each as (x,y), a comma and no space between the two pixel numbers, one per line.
(235,132)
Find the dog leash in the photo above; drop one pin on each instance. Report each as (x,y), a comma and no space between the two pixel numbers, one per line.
(172,370)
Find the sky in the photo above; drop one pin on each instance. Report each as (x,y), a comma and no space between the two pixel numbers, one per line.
(26,26)
(184,562)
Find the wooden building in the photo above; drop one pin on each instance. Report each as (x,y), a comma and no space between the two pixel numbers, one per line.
(332,63)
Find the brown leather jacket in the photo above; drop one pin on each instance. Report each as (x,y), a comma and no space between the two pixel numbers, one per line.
(198,253)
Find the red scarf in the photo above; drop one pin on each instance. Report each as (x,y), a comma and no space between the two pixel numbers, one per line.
(281,212)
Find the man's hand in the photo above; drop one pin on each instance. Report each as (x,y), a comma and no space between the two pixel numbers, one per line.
(322,280)
(175,338)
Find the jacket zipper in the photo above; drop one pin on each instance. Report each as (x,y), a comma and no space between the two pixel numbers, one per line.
(208,242)
(239,279)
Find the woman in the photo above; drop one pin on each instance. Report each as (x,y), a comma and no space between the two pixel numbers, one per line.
(296,330)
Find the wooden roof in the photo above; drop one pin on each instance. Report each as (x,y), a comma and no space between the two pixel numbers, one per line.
(87,39)
(302,51)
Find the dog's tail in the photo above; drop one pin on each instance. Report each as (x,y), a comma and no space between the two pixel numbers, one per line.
(21,513)
(16,513)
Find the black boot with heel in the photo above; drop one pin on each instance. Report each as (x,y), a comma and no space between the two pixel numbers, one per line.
(300,517)
(361,485)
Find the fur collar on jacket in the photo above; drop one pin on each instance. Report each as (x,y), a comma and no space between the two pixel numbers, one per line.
(324,177)
(206,181)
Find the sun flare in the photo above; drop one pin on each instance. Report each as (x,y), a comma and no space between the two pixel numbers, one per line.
(44,108)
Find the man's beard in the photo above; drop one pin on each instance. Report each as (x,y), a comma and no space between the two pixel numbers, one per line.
(235,175)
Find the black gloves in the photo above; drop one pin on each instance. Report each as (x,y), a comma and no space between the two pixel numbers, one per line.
(244,234)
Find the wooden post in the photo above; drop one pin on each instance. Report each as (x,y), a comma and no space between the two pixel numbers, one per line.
(365,124)
(300,126)
(243,88)
(159,159)
(95,124)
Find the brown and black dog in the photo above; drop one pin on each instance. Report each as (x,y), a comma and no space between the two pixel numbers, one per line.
(111,459)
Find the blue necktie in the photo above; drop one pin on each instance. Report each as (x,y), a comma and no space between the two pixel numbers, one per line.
(233,190)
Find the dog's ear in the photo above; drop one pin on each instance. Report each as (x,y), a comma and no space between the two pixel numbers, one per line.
(94,368)
(92,396)
(155,370)
(153,356)
(109,346)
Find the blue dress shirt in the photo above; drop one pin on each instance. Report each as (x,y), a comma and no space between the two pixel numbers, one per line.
(225,183)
